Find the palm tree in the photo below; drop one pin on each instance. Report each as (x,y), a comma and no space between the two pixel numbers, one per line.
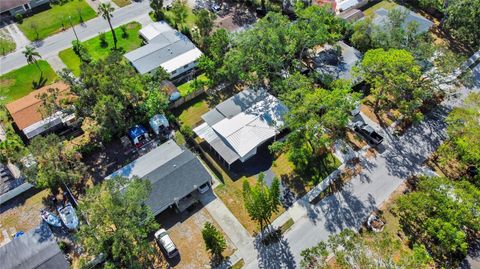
(106,10)
(32,56)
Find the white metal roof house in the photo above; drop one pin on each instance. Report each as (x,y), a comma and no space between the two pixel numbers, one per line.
(166,48)
(175,175)
(236,127)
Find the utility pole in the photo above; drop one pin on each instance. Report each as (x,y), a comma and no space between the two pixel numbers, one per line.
(73,28)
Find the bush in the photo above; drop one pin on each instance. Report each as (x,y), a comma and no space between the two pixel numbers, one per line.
(64,247)
(103,40)
(81,51)
(187,131)
(124,31)
(19,18)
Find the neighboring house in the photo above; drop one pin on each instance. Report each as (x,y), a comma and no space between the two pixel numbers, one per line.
(341,5)
(10,8)
(351,15)
(36,249)
(381,16)
(236,127)
(336,61)
(175,175)
(27,113)
(167,48)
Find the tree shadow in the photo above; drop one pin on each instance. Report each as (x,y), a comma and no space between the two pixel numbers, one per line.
(37,84)
(274,253)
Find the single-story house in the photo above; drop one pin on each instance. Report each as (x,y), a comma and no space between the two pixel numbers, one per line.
(167,48)
(336,63)
(236,127)
(381,16)
(175,175)
(36,249)
(27,113)
(341,5)
(10,8)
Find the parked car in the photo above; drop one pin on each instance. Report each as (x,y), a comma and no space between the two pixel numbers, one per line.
(138,135)
(368,133)
(160,125)
(166,243)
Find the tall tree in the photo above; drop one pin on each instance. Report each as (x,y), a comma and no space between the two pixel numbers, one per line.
(462,18)
(32,56)
(180,12)
(351,250)
(260,200)
(106,9)
(214,240)
(157,6)
(54,165)
(464,132)
(440,213)
(204,21)
(396,81)
(212,61)
(121,230)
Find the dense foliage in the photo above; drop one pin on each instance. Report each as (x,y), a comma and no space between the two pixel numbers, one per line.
(353,251)
(214,240)
(441,214)
(261,201)
(54,165)
(113,94)
(119,222)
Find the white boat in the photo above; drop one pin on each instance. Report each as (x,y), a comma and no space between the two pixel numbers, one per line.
(50,218)
(68,216)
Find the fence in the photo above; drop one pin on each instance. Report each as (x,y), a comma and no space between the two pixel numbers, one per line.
(185,99)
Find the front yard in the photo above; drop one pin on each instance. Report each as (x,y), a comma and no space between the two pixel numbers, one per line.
(20,82)
(185,229)
(98,51)
(56,19)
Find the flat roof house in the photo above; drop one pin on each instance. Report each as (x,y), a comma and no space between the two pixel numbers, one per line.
(36,249)
(27,116)
(175,175)
(236,127)
(166,48)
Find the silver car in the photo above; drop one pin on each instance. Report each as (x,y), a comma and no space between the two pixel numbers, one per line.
(166,243)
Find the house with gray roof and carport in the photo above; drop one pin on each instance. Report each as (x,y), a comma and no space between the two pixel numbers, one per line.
(175,175)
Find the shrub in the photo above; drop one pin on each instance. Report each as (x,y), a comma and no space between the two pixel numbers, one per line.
(103,39)
(187,131)
(81,51)
(124,31)
(19,18)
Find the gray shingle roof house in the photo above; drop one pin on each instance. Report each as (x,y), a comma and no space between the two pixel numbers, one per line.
(381,16)
(13,7)
(236,127)
(35,249)
(326,61)
(174,173)
(167,48)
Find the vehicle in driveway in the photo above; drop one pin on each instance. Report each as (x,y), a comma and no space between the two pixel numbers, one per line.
(160,126)
(368,133)
(138,135)
(166,243)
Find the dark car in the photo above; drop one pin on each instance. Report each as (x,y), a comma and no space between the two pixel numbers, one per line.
(368,133)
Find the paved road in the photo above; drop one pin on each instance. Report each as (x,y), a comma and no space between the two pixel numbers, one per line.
(50,46)
(350,207)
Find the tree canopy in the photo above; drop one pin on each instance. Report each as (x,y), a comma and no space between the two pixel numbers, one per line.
(113,94)
(440,214)
(54,165)
(214,240)
(119,222)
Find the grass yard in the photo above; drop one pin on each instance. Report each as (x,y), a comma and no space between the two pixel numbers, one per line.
(189,86)
(190,113)
(22,213)
(55,19)
(6,45)
(122,3)
(20,82)
(95,49)
(388,5)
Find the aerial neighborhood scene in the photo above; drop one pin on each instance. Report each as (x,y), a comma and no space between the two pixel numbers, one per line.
(239,134)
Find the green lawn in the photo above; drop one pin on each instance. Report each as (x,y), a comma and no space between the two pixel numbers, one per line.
(122,3)
(188,87)
(129,43)
(388,5)
(53,20)
(20,82)
(6,46)
(191,112)
(189,21)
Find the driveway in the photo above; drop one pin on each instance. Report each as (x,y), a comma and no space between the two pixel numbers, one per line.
(350,207)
